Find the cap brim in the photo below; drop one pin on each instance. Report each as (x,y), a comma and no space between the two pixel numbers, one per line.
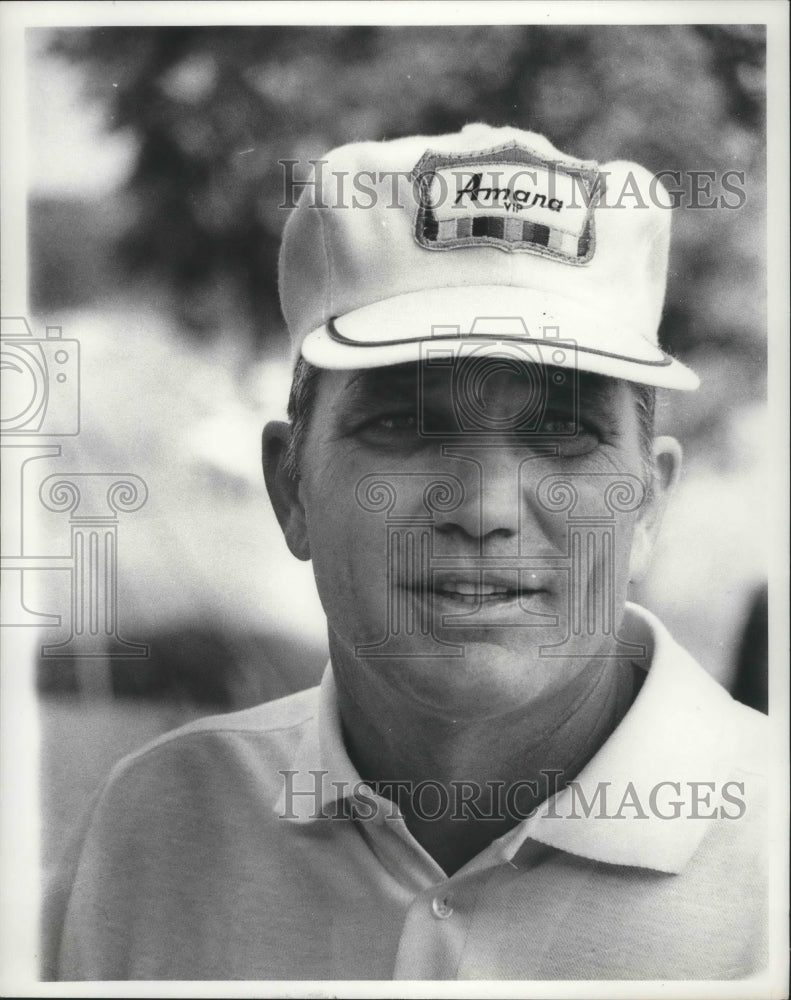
(492,320)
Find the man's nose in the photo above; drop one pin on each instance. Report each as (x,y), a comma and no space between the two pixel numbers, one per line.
(499,495)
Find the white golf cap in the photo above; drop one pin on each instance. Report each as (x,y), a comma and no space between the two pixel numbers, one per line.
(489,239)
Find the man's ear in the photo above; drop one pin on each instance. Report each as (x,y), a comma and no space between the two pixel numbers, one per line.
(667,469)
(283,487)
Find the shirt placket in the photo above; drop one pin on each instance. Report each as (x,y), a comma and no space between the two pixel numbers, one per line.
(437,926)
(447,924)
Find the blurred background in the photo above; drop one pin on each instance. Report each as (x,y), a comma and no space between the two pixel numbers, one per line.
(154,225)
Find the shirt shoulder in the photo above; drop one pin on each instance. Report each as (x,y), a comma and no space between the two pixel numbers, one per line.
(270,717)
(189,816)
(272,723)
(206,768)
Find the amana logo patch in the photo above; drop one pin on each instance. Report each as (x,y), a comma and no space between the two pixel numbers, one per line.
(510,198)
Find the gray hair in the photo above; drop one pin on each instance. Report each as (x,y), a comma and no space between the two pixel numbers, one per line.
(301,401)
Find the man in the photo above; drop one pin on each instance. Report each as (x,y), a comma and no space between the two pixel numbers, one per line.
(508,771)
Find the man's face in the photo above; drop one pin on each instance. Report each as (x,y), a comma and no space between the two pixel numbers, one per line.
(474,558)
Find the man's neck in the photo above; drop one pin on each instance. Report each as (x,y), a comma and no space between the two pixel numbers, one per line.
(479,779)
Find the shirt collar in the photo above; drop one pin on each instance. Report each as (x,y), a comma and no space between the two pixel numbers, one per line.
(673,736)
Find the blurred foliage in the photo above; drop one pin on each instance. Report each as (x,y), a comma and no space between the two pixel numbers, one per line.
(68,260)
(213,110)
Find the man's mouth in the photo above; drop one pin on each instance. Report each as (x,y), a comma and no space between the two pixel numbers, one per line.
(464,592)
(485,588)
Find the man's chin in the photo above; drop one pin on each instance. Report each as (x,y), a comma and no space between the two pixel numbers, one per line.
(484,682)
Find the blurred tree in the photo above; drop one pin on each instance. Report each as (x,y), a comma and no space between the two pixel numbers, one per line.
(214,110)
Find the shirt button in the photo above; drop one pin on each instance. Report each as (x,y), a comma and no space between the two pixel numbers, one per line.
(441,907)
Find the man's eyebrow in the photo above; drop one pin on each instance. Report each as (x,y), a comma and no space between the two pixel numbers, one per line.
(398,380)
(597,396)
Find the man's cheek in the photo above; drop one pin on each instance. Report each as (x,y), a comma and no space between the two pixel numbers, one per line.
(351,569)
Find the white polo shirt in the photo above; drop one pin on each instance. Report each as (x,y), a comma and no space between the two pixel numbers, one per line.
(195,864)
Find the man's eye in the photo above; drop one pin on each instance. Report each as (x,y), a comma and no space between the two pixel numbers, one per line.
(571,436)
(395,422)
(559,425)
(389,426)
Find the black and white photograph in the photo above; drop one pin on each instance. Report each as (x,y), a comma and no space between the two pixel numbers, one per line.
(395,499)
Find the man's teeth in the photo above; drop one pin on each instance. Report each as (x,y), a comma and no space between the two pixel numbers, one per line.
(470,593)
(459,587)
